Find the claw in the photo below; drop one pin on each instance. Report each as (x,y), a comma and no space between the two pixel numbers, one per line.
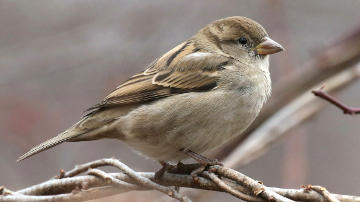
(165,167)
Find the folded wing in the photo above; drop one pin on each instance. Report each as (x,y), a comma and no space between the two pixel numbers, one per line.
(185,69)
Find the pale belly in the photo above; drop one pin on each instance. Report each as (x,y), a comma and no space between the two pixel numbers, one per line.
(195,121)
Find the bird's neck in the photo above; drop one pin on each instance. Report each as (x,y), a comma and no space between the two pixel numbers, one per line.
(264,76)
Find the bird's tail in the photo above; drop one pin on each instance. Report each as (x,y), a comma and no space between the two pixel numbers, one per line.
(62,137)
(91,127)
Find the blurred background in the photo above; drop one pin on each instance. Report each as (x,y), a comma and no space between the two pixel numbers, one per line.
(59,57)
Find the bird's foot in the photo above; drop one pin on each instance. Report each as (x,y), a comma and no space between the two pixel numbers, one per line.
(193,169)
(165,167)
(204,162)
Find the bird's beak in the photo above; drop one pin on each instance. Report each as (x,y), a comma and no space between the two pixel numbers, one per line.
(268,47)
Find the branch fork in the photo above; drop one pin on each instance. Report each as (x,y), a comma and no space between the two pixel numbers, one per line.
(346,109)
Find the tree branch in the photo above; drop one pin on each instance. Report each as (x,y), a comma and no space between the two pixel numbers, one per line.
(97,184)
(346,109)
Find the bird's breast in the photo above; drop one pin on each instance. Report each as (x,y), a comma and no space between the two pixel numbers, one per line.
(198,121)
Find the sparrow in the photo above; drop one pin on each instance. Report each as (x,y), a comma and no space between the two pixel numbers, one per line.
(200,94)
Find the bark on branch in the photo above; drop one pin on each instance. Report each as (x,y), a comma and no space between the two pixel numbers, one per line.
(95,183)
(346,109)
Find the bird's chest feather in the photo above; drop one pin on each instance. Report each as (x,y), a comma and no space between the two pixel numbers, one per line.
(198,121)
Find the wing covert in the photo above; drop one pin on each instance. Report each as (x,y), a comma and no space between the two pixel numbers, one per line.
(194,71)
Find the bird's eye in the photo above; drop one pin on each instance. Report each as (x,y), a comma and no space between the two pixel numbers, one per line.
(243,40)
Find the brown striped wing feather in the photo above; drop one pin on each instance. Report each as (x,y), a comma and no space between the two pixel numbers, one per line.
(183,69)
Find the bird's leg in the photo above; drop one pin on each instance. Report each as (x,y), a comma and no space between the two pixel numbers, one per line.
(165,167)
(204,161)
(180,166)
(201,159)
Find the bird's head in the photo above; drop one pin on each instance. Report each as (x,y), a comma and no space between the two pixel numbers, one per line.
(238,37)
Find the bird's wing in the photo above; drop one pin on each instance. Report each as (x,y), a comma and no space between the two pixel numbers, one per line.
(182,69)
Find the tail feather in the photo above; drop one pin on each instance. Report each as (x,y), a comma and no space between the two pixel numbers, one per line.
(63,137)
(91,127)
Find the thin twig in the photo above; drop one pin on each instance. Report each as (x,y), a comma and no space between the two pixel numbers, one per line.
(110,179)
(229,189)
(256,187)
(84,167)
(80,195)
(306,194)
(324,192)
(346,109)
(145,181)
